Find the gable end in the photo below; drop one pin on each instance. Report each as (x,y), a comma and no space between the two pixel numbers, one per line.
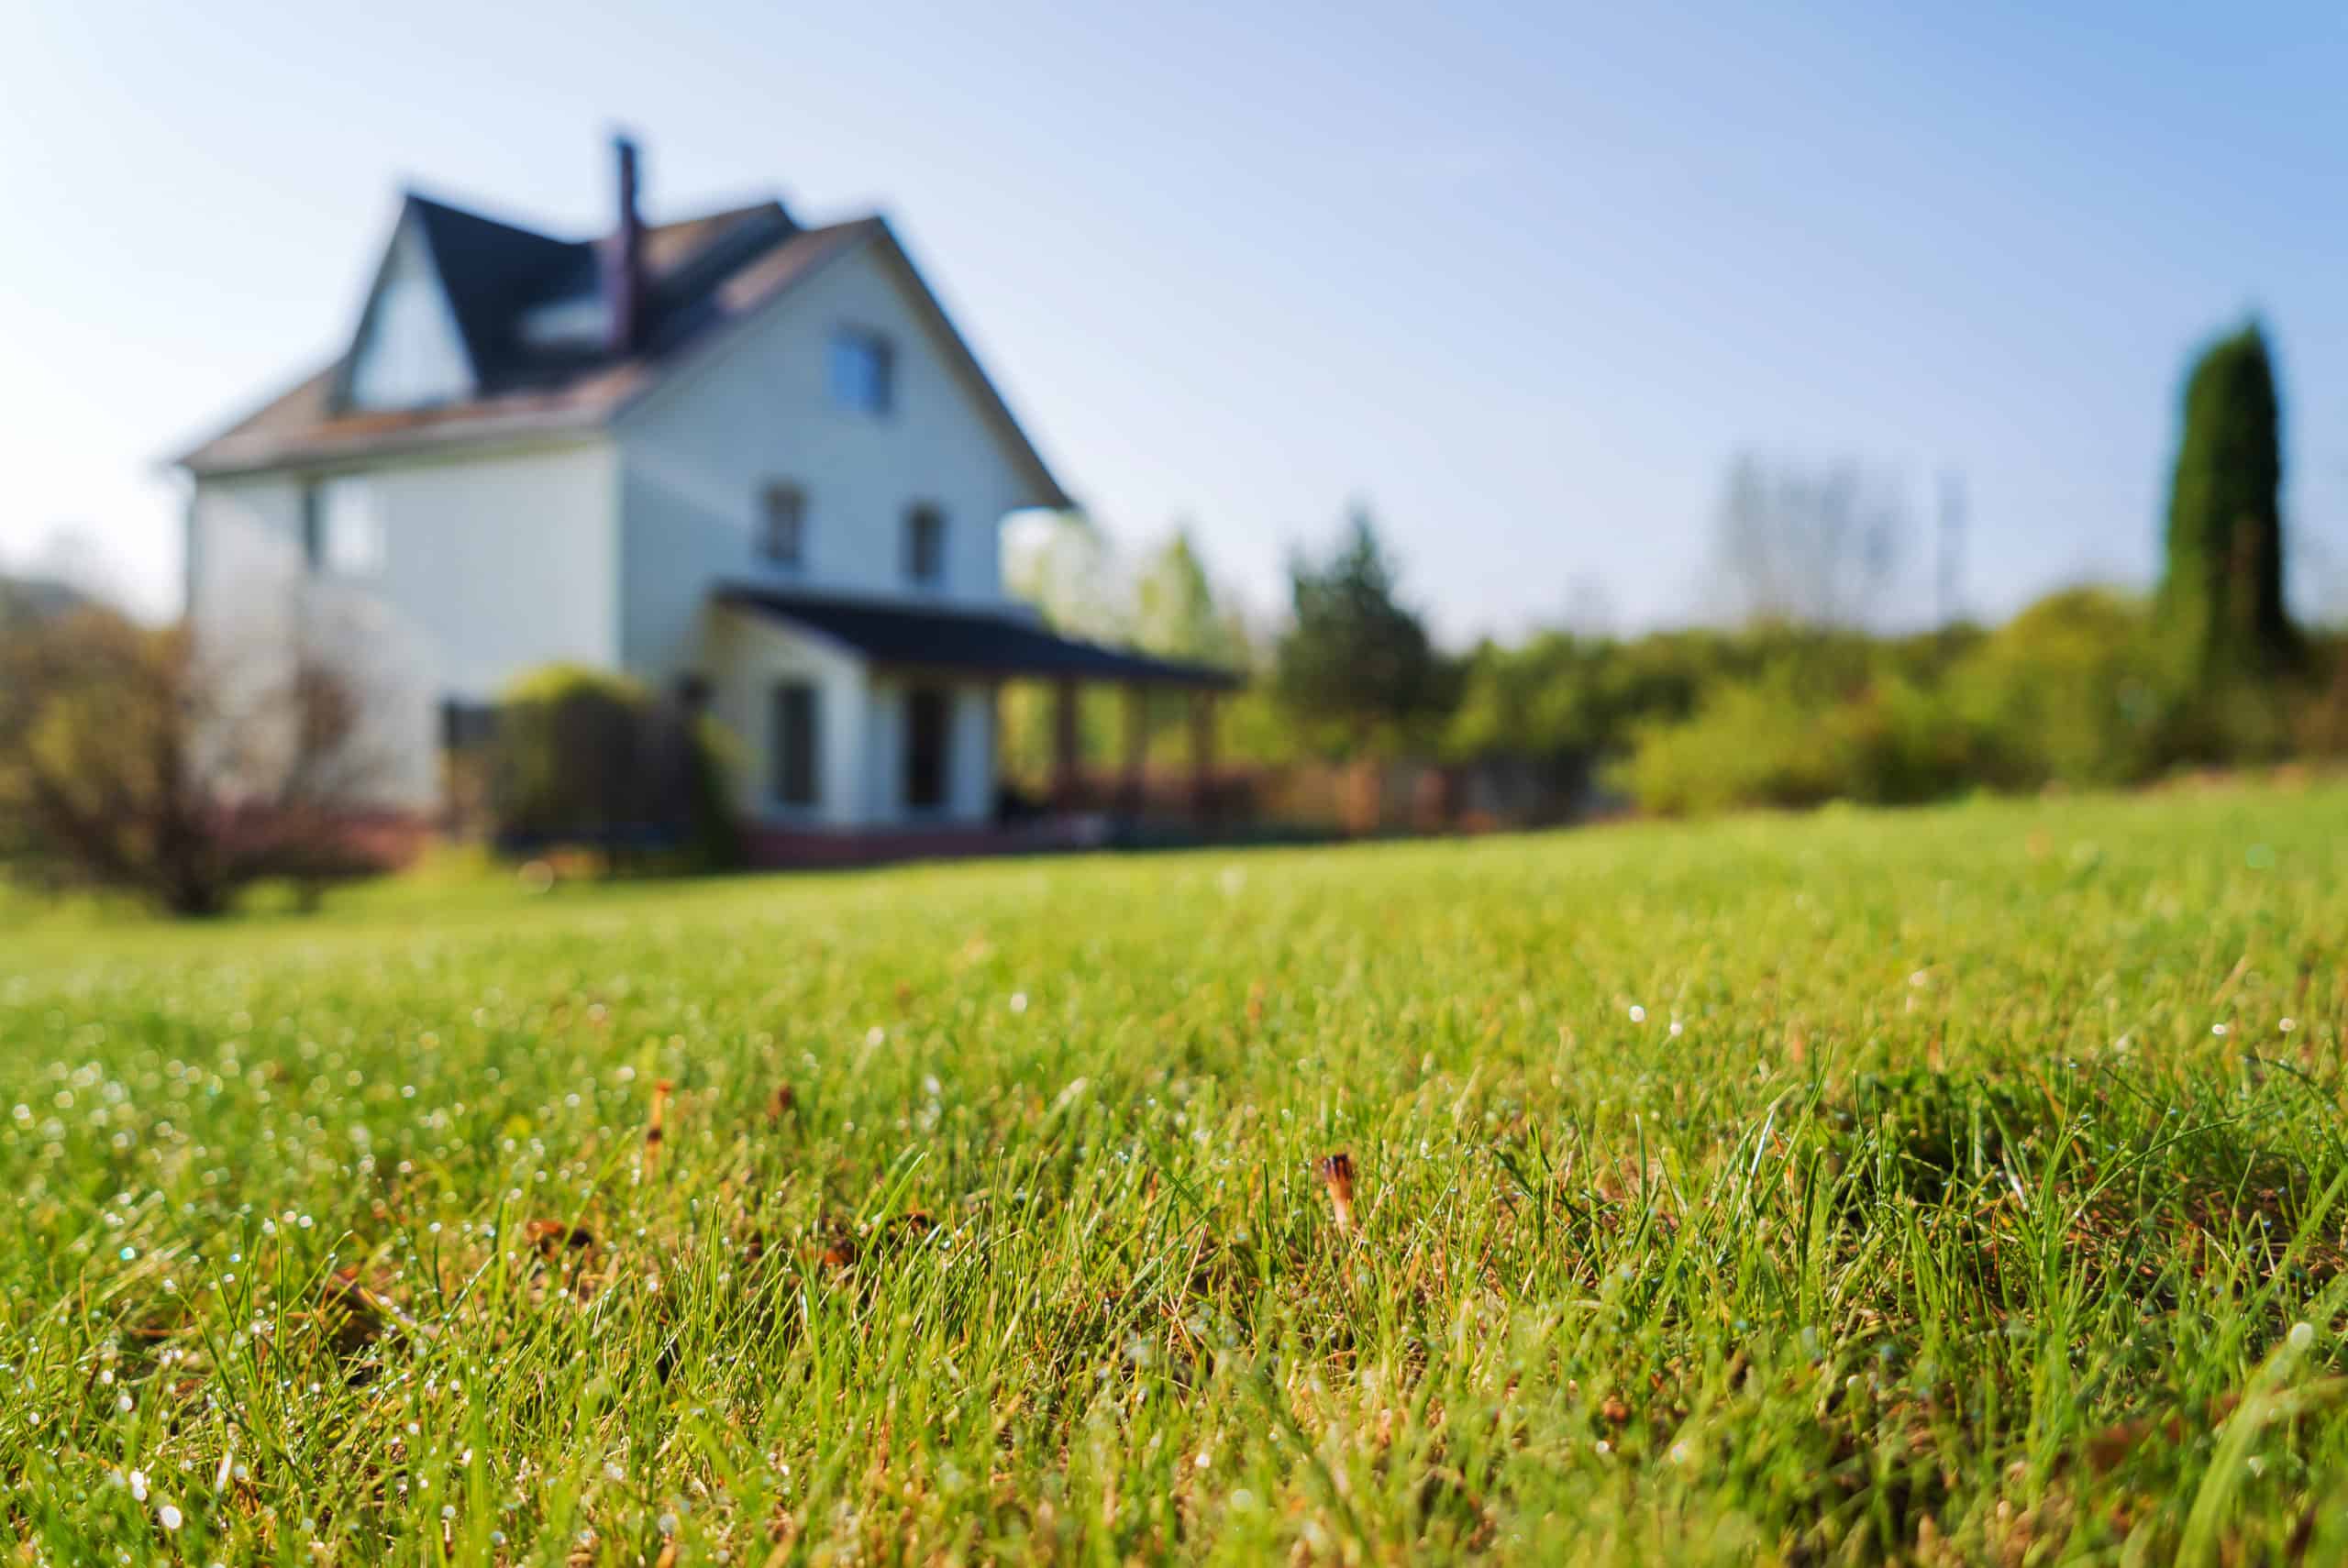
(408,350)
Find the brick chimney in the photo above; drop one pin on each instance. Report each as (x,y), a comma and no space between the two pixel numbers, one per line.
(623,261)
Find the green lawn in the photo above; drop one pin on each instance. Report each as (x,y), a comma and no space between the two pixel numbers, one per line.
(1955,1186)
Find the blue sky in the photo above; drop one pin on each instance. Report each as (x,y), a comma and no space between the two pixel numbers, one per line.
(1524,277)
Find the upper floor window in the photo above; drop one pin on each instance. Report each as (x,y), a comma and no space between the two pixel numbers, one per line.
(864,372)
(926,545)
(342,526)
(782,525)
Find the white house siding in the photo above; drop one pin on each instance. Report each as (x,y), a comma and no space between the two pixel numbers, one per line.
(502,563)
(492,565)
(748,657)
(244,551)
(697,454)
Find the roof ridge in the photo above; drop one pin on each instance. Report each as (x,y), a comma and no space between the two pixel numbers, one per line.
(411,195)
(770,203)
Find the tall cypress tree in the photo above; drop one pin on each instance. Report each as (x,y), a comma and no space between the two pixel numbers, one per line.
(2221,595)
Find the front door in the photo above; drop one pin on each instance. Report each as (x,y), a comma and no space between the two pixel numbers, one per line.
(928,722)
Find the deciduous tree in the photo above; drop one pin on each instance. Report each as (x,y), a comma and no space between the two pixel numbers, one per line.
(132,761)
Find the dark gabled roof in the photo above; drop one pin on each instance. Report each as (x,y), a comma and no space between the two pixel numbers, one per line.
(702,277)
(979,642)
(308,424)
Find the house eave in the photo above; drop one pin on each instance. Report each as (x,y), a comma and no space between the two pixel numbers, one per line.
(523,433)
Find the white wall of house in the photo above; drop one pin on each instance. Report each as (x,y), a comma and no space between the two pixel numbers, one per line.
(502,563)
(698,454)
(479,569)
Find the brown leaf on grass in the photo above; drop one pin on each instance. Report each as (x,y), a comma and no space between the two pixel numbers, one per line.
(1614,1410)
(781,1103)
(839,1249)
(656,1126)
(1336,1172)
(350,1315)
(843,1250)
(2108,1447)
(357,1315)
(550,1236)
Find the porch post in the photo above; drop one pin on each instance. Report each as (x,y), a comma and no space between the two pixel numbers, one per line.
(1065,745)
(1202,756)
(1134,786)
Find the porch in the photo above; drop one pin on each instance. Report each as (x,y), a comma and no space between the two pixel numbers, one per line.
(872,726)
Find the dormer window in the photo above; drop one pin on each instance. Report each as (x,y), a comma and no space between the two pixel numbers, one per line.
(782,525)
(863,372)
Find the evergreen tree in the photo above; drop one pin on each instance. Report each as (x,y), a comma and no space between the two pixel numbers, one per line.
(1355,658)
(2222,595)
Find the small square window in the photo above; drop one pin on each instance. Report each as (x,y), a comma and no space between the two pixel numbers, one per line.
(926,545)
(467,726)
(782,525)
(863,372)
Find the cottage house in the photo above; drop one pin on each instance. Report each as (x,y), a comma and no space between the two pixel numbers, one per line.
(736,457)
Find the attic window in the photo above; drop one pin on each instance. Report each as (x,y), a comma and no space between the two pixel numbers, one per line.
(863,372)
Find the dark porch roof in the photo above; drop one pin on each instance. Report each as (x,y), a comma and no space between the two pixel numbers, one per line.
(947,637)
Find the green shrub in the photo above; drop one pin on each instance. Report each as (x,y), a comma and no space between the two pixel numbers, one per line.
(2072,691)
(1773,743)
(586,759)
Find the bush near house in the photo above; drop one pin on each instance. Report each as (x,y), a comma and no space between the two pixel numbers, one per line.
(584,760)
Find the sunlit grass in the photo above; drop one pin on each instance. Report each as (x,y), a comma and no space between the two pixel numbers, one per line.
(1949,1187)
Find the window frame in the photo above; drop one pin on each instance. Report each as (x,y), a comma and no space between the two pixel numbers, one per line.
(923,514)
(328,540)
(769,495)
(870,388)
(313,533)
